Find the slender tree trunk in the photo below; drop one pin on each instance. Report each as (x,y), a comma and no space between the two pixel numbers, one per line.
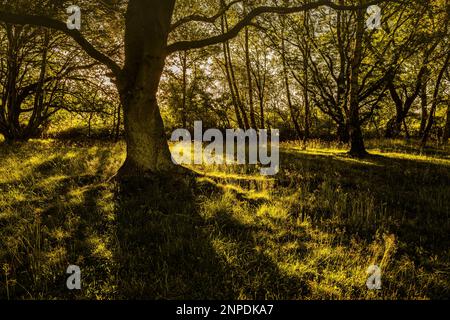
(239,103)
(249,80)
(424,106)
(260,81)
(343,131)
(354,123)
(229,80)
(306,54)
(286,83)
(405,125)
(184,93)
(446,134)
(36,118)
(394,126)
(236,89)
(146,34)
(434,105)
(261,111)
(11,105)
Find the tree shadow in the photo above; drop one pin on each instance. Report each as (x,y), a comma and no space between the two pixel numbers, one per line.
(409,194)
(165,248)
(54,219)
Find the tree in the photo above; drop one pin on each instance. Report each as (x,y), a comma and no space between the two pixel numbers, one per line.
(148,25)
(35,68)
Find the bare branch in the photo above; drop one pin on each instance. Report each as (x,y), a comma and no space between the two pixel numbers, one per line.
(233,32)
(200,18)
(42,21)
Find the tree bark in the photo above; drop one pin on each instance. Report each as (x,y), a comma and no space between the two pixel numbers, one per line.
(435,103)
(229,79)
(343,132)
(249,80)
(306,54)
(402,107)
(233,80)
(147,29)
(356,138)
(446,134)
(184,93)
(292,111)
(424,107)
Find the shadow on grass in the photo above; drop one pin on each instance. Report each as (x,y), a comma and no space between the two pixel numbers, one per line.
(410,196)
(140,239)
(165,247)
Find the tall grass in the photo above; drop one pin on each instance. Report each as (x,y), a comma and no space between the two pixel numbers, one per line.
(310,232)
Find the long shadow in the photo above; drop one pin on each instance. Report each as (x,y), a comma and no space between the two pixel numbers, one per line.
(161,245)
(162,251)
(412,191)
(255,273)
(40,260)
(165,250)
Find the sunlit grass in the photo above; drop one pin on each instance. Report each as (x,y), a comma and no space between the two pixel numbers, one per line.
(310,232)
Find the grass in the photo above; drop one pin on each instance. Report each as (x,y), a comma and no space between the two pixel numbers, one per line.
(310,232)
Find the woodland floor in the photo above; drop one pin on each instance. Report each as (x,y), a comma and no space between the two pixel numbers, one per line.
(310,232)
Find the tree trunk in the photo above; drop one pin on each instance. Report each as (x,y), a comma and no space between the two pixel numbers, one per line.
(394,128)
(435,103)
(356,138)
(343,132)
(286,82)
(146,34)
(446,134)
(184,93)
(306,55)
(249,80)
(424,106)
(240,106)
(118,123)
(403,106)
(229,79)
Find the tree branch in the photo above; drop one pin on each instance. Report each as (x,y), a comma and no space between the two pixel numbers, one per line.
(200,18)
(233,32)
(42,21)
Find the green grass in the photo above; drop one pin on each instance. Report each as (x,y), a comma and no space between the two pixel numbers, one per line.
(310,232)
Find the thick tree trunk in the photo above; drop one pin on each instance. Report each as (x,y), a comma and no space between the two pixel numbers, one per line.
(147,30)
(394,128)
(343,133)
(147,147)
(356,138)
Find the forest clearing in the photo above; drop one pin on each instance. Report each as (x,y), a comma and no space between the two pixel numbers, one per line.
(224,150)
